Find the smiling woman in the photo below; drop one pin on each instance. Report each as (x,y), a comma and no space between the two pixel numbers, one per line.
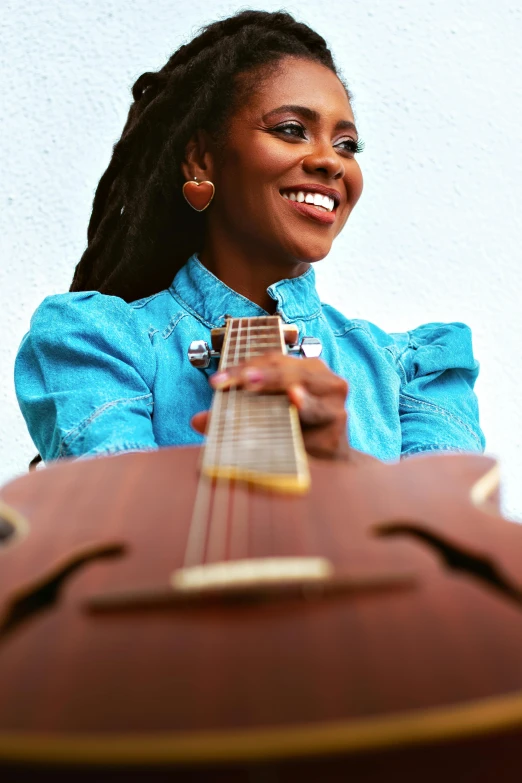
(254,108)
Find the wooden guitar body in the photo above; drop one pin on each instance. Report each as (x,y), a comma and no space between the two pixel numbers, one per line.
(405,663)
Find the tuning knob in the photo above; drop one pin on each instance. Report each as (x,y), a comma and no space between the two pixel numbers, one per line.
(309,347)
(200,355)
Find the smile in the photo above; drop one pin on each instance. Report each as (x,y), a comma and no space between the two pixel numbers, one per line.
(316,199)
(320,207)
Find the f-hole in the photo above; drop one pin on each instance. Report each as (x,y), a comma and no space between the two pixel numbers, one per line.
(13,526)
(483,569)
(44,592)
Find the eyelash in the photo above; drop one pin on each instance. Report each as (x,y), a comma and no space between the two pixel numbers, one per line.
(355,146)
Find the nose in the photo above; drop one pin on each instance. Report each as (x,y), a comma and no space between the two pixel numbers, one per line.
(325,160)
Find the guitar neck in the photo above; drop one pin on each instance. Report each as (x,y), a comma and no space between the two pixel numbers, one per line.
(255,437)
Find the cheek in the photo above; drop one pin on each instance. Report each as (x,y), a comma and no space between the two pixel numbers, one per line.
(354,186)
(265,165)
(353,181)
(263,161)
(246,173)
(250,180)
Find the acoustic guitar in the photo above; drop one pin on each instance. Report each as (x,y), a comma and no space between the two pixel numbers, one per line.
(239,612)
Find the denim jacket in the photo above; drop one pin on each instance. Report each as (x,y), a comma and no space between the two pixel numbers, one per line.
(95,375)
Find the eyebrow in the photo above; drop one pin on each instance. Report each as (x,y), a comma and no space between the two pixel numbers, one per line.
(309,114)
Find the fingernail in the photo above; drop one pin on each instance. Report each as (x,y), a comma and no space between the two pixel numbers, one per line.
(220,379)
(253,376)
(298,395)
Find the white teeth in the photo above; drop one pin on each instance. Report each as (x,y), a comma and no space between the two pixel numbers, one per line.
(317,199)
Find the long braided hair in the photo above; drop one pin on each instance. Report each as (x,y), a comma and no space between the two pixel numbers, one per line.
(141,230)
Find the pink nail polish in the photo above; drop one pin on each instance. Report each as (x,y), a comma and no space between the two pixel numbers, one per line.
(254,376)
(219,378)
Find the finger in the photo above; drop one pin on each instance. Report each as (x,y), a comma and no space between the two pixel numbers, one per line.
(327,443)
(317,411)
(200,421)
(276,373)
(309,411)
(311,375)
(247,375)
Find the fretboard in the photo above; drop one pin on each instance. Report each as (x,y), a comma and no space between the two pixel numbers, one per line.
(255,437)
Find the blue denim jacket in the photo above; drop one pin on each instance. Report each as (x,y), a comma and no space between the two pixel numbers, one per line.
(95,375)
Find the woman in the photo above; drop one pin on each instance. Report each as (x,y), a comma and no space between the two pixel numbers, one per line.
(254,106)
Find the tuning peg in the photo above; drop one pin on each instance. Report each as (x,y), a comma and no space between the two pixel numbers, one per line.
(200,354)
(309,347)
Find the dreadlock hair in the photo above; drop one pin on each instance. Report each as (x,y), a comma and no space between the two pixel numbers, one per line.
(141,230)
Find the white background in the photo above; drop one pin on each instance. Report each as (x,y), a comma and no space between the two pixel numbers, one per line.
(436,235)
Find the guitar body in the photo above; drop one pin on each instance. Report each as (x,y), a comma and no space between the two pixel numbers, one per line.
(411,669)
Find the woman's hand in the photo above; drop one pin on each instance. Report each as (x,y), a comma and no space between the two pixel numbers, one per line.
(318,394)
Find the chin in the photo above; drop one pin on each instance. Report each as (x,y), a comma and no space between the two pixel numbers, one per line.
(311,252)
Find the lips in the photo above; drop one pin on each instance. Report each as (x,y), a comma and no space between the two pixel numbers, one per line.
(313,212)
(316,212)
(313,201)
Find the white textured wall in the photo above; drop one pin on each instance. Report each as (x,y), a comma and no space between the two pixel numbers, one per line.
(436,235)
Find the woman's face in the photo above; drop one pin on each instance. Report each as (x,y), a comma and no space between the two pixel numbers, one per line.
(292,142)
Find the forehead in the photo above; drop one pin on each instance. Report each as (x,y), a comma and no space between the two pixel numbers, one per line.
(295,81)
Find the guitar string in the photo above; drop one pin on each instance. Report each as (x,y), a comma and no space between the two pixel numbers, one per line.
(199,525)
(222,494)
(236,441)
(271,514)
(195,550)
(238,542)
(221,503)
(240,493)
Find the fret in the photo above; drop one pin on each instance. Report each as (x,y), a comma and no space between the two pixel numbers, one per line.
(242,328)
(239,455)
(236,327)
(260,347)
(254,437)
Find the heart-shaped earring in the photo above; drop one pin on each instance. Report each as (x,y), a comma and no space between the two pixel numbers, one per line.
(199,194)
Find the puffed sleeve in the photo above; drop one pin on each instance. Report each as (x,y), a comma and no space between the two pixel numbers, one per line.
(437,405)
(84,375)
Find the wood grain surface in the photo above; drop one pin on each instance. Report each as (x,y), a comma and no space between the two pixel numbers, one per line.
(311,682)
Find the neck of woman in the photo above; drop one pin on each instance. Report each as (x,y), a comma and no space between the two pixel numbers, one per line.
(249,270)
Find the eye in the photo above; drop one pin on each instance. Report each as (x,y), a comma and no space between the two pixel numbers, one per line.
(350,145)
(294,129)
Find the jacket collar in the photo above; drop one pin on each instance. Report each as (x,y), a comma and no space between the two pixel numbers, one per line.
(210,300)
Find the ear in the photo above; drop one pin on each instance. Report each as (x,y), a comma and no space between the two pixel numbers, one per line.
(199,158)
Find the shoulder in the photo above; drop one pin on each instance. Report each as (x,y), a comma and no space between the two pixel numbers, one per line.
(342,326)
(84,375)
(88,306)
(83,316)
(92,312)
(160,313)
(434,347)
(84,328)
(422,349)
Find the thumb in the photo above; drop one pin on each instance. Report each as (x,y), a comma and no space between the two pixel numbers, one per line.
(199,422)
